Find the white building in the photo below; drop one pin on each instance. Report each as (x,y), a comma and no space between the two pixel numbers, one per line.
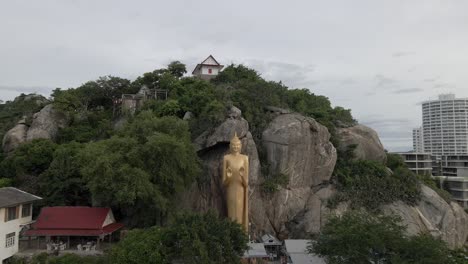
(207,69)
(297,252)
(15,212)
(419,163)
(445,125)
(418,140)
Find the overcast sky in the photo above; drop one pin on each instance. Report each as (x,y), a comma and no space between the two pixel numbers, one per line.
(379,58)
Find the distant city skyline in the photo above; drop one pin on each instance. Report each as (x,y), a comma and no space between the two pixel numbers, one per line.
(381,59)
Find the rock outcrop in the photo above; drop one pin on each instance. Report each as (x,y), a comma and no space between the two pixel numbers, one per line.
(366,141)
(296,146)
(15,136)
(435,216)
(46,123)
(300,148)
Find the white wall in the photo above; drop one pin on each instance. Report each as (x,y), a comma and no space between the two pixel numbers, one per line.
(9,227)
(109,219)
(214,70)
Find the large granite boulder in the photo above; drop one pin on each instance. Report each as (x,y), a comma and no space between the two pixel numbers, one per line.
(366,141)
(46,123)
(296,146)
(299,147)
(15,136)
(435,216)
(211,146)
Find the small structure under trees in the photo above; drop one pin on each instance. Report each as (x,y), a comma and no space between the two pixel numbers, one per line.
(132,102)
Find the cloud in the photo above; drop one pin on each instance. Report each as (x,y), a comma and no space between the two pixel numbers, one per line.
(402,54)
(292,75)
(26,89)
(409,90)
(384,81)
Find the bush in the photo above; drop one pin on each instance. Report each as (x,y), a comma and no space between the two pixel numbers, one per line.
(360,237)
(191,238)
(273,183)
(369,184)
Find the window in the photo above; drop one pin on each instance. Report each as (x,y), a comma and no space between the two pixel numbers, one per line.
(10,239)
(11,213)
(209,71)
(26,210)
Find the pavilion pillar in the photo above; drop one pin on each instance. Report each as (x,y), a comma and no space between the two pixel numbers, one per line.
(97,244)
(68,242)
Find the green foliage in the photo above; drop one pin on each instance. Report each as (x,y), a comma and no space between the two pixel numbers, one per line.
(434,185)
(5,182)
(141,170)
(100,93)
(87,126)
(62,183)
(191,238)
(27,162)
(458,256)
(44,258)
(273,183)
(177,68)
(369,184)
(395,161)
(359,237)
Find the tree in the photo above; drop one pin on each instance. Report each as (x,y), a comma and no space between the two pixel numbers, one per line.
(395,161)
(360,237)
(190,238)
(62,183)
(177,69)
(141,171)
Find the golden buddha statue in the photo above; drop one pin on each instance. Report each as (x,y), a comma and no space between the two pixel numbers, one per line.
(236,182)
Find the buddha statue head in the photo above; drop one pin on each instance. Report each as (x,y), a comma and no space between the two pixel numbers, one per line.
(235,144)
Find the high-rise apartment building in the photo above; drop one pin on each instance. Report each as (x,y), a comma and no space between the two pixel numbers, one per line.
(445,125)
(418,140)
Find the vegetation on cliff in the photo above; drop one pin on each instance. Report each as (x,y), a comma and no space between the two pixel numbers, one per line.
(139,164)
(361,237)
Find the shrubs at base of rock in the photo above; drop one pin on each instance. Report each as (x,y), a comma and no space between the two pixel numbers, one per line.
(369,184)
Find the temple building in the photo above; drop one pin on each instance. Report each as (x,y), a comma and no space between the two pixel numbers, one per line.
(207,69)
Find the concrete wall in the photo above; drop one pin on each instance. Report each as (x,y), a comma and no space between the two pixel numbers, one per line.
(9,227)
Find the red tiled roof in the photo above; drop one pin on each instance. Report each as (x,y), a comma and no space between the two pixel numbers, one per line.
(71,217)
(73,221)
(75,232)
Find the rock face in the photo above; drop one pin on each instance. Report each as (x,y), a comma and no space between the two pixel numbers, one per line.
(296,146)
(366,140)
(434,215)
(299,148)
(46,123)
(15,136)
(211,147)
